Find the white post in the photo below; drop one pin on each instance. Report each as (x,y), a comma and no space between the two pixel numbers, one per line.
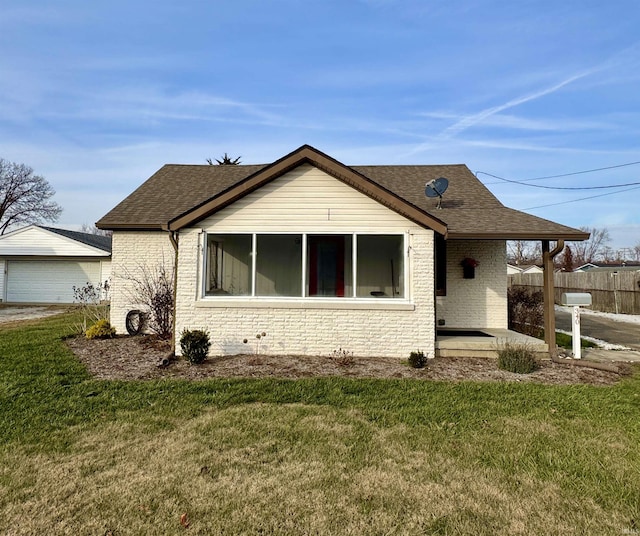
(576,332)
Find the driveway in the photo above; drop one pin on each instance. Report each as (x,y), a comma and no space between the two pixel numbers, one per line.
(15,313)
(605,329)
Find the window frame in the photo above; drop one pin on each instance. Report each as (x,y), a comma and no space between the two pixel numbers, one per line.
(305,297)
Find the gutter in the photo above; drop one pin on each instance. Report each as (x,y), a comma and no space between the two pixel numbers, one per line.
(173,238)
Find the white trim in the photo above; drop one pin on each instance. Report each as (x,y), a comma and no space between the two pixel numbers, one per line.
(354,262)
(407,262)
(243,302)
(203,265)
(303,288)
(254,254)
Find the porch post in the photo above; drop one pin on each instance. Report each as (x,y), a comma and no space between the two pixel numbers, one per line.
(549,293)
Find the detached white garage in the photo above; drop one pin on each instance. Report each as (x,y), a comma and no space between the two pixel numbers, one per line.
(43,264)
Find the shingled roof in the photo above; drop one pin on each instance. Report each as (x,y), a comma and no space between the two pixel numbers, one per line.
(178,196)
(96,241)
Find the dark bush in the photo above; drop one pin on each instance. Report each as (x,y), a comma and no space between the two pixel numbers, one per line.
(526,311)
(101,330)
(519,358)
(417,359)
(195,345)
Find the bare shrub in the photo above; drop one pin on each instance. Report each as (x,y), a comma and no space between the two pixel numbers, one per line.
(343,358)
(152,288)
(526,311)
(89,298)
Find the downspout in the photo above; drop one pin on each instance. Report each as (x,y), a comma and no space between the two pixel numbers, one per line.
(173,238)
(549,294)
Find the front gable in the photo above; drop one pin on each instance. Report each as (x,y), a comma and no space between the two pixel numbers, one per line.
(307,199)
(308,156)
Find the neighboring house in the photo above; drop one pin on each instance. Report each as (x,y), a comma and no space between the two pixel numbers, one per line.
(322,256)
(42,264)
(523,269)
(609,267)
(513,269)
(585,267)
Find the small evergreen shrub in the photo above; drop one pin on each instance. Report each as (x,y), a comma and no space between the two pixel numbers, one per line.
(519,358)
(417,359)
(101,330)
(195,345)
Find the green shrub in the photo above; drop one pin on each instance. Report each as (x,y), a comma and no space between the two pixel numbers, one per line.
(417,359)
(517,357)
(101,330)
(195,345)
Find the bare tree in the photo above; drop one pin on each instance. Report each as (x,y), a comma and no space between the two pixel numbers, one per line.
(225,160)
(92,229)
(24,197)
(567,260)
(636,251)
(524,252)
(594,249)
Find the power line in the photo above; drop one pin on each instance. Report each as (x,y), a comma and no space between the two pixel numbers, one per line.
(561,187)
(582,172)
(581,199)
(561,175)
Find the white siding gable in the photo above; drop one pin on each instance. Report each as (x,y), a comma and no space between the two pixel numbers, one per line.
(307,200)
(34,241)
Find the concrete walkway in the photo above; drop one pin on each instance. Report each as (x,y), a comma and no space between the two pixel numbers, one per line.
(606,356)
(15,313)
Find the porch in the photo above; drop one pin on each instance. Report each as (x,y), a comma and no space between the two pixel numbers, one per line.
(483,342)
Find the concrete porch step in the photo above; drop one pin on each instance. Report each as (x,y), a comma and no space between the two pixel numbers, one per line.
(461,344)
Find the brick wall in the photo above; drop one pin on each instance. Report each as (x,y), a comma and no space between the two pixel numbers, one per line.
(480,302)
(132,251)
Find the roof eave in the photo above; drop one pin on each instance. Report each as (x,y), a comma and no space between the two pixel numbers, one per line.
(130,227)
(560,235)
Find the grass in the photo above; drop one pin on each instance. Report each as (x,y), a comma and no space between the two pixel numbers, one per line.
(314,456)
(566,341)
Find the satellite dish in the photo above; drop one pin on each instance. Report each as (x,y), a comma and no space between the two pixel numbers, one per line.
(435,188)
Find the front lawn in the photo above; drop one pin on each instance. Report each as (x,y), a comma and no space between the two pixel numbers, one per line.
(308,456)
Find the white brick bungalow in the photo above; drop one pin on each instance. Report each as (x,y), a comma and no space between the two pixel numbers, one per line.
(320,256)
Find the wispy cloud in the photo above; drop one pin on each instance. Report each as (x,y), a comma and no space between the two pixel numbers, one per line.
(524,123)
(150,104)
(474,119)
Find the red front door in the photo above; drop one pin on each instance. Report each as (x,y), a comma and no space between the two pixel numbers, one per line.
(326,265)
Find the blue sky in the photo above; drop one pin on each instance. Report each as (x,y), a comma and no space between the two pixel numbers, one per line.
(97,96)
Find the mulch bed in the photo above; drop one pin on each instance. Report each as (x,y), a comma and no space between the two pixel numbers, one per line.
(137,358)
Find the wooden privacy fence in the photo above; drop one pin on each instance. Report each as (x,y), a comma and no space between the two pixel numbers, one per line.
(611,292)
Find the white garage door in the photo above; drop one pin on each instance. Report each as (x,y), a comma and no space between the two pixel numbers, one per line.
(48,281)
